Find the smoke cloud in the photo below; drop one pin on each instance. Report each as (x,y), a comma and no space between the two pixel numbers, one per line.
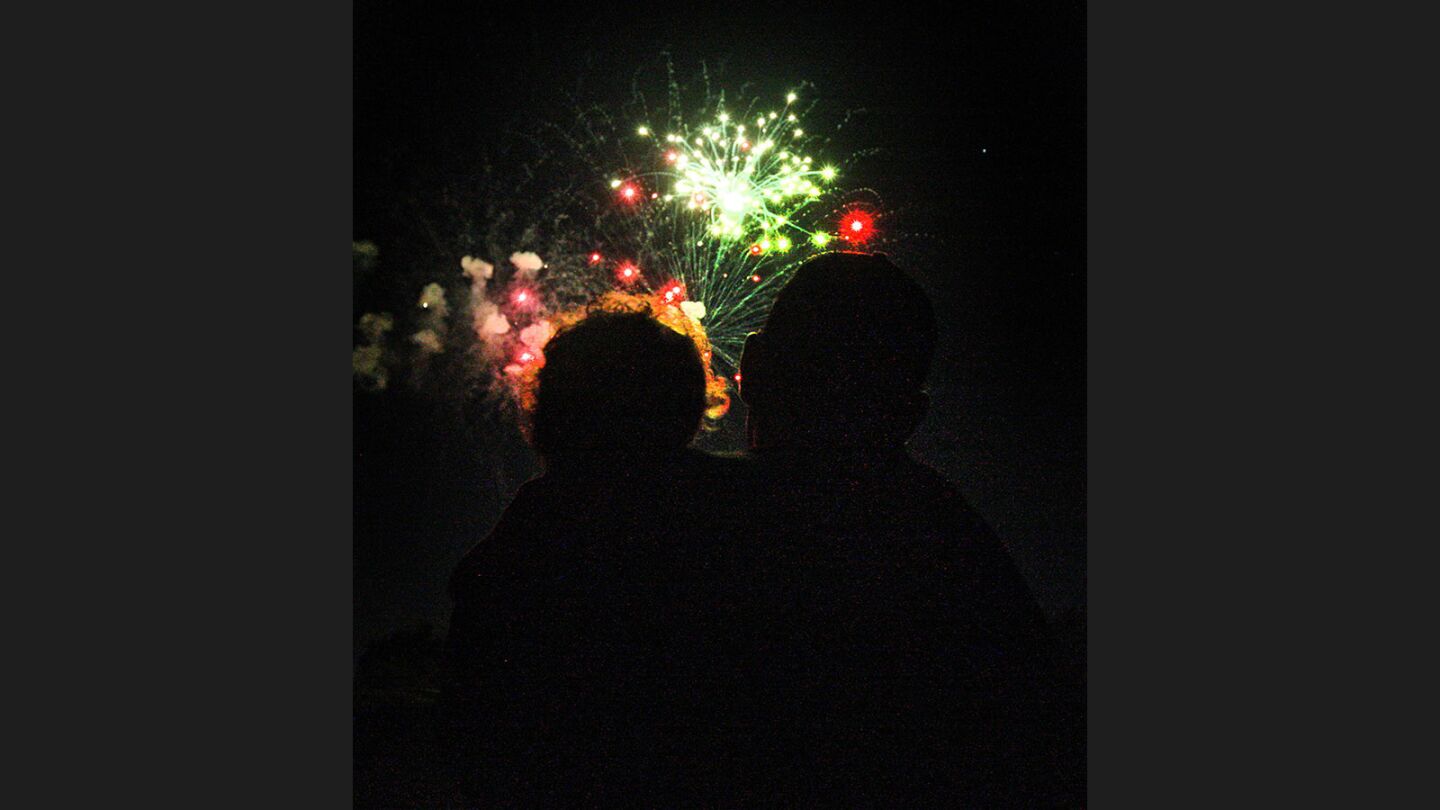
(526,264)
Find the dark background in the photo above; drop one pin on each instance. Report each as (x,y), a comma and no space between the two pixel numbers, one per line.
(978,113)
(1185,108)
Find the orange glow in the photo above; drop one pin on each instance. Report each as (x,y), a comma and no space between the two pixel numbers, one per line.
(664,309)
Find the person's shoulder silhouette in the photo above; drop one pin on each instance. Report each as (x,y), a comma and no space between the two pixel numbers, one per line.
(904,617)
(582,632)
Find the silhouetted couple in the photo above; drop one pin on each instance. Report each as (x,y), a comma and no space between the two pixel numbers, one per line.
(822,622)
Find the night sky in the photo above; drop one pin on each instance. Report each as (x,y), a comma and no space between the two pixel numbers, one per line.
(979,113)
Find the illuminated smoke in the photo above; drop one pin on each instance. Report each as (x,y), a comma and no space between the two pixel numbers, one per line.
(374,325)
(494,323)
(428,341)
(367,364)
(476,270)
(536,335)
(367,361)
(694,309)
(526,264)
(432,299)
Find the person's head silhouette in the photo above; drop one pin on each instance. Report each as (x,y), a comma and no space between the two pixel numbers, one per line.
(842,359)
(617,383)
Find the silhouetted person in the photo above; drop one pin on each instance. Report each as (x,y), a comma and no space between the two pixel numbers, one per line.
(589,633)
(902,647)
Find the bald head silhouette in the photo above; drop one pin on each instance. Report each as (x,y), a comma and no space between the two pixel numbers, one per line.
(842,358)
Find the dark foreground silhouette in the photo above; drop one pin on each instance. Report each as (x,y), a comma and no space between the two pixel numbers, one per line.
(907,660)
(589,637)
(826,623)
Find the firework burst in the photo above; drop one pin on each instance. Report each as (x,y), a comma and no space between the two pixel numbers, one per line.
(703,209)
(746,184)
(724,207)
